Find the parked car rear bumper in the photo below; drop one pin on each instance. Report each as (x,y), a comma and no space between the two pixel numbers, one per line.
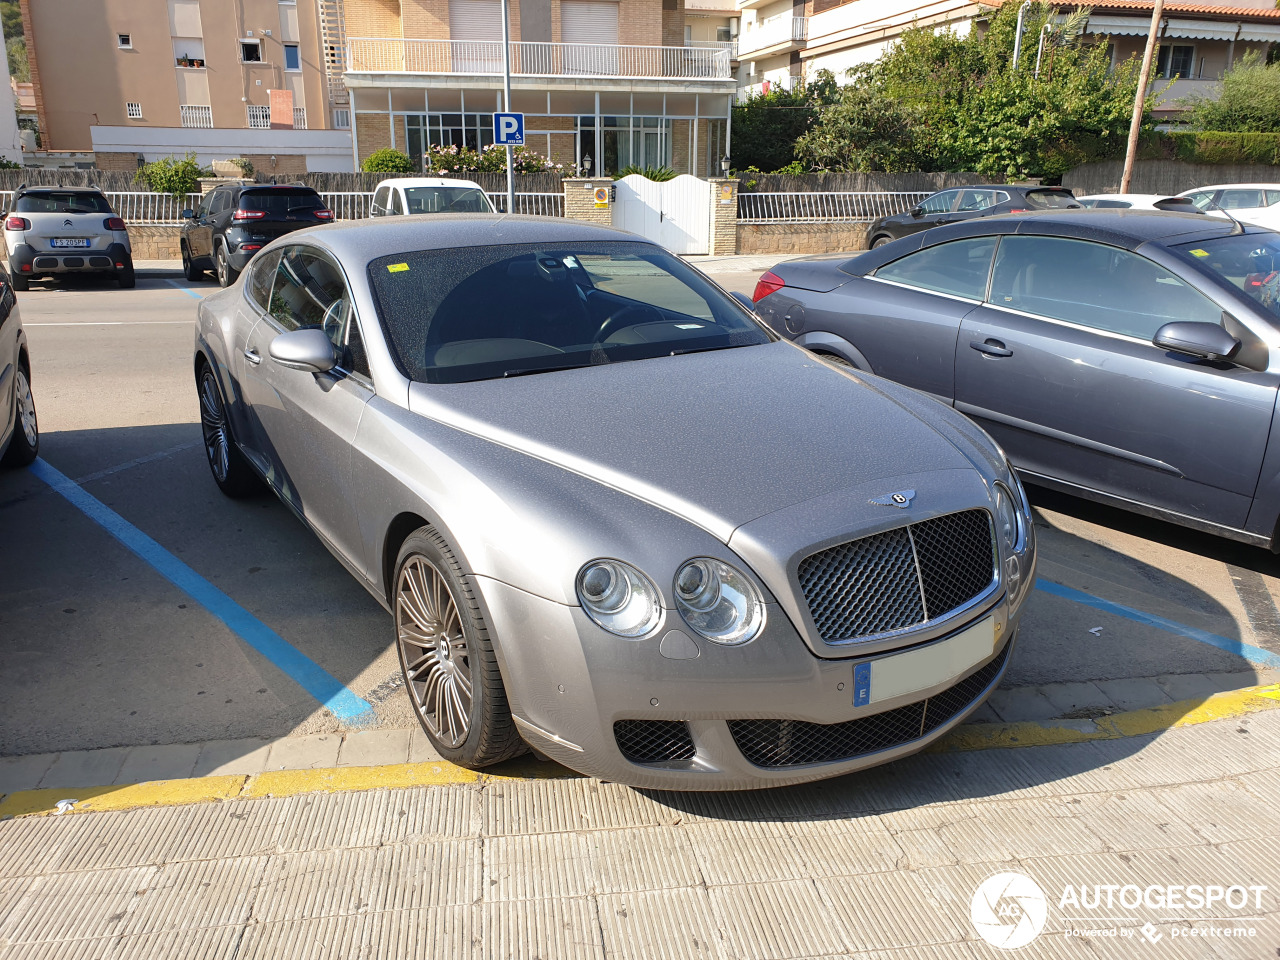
(26,260)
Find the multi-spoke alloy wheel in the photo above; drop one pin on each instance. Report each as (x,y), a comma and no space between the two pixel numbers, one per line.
(230,469)
(26,409)
(433,649)
(24,445)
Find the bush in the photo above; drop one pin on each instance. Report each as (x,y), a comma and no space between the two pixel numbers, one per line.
(246,168)
(174,177)
(492,159)
(387,161)
(657,174)
(1248,100)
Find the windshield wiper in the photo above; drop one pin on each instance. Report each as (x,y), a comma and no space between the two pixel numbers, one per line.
(723,346)
(525,371)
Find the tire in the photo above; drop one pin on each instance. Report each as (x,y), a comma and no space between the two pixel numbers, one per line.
(126,277)
(21,282)
(446,656)
(231,471)
(24,445)
(226,272)
(188,267)
(880,242)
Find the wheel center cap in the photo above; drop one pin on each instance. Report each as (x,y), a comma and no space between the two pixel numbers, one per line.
(442,648)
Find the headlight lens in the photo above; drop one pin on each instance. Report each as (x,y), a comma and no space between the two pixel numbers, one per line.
(1007,523)
(718,602)
(619,597)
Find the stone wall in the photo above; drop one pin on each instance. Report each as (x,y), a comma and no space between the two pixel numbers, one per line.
(724,217)
(801,238)
(123,162)
(154,242)
(580,200)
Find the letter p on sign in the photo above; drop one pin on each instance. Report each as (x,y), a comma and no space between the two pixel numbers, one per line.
(508,129)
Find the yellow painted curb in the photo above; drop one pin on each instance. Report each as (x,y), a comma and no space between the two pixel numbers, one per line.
(287,783)
(153,793)
(1132,723)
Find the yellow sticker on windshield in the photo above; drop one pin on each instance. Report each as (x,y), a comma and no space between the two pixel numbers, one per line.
(1199,253)
(397,267)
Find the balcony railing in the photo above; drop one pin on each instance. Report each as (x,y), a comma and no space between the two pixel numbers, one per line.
(196,115)
(484,58)
(771,32)
(730,45)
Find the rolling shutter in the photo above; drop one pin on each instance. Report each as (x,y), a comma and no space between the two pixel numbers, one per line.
(589,21)
(475,20)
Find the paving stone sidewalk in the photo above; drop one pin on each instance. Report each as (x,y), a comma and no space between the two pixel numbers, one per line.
(879,865)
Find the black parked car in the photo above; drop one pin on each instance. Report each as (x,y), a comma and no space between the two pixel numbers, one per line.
(965,203)
(1124,356)
(236,221)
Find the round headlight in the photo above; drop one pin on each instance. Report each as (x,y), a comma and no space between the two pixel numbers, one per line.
(718,602)
(1008,523)
(619,597)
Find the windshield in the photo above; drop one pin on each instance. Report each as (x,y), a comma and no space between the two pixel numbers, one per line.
(482,313)
(1250,262)
(1051,200)
(281,202)
(446,200)
(61,201)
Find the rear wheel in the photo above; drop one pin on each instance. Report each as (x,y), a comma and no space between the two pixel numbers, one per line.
(231,471)
(125,275)
(226,272)
(19,280)
(879,242)
(450,671)
(189,269)
(24,445)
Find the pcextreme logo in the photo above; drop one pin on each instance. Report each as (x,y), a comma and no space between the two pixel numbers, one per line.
(1008,910)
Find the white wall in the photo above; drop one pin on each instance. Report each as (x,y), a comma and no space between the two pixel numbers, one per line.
(10,148)
(325,150)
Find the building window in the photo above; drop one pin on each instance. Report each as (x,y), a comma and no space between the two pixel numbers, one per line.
(723,35)
(259,117)
(197,115)
(1175,61)
(134,111)
(291,59)
(299,118)
(124,41)
(342,119)
(250,51)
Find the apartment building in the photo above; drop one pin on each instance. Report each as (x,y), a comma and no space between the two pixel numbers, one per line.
(150,77)
(612,80)
(785,42)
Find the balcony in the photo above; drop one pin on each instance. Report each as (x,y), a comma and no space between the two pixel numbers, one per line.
(730,45)
(483,58)
(775,35)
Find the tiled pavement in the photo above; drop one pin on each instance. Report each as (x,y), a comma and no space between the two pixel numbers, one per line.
(878,865)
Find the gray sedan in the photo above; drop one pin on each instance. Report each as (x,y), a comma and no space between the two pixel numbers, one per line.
(1130,357)
(613,517)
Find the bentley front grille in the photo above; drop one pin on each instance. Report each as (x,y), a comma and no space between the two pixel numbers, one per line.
(899,578)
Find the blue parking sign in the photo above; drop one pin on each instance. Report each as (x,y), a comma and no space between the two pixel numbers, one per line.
(508,129)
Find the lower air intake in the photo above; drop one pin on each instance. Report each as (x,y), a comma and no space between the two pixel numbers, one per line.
(654,741)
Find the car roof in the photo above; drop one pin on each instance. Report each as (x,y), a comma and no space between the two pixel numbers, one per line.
(1130,196)
(1128,229)
(359,241)
(426,182)
(1236,186)
(27,188)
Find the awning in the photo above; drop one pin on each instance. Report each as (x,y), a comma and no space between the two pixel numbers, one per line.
(1119,26)
(1182,29)
(1201,29)
(1260,31)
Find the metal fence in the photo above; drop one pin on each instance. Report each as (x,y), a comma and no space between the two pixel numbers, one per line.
(135,206)
(536,204)
(823,207)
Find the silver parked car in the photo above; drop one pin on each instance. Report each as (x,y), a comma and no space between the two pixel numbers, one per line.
(19,431)
(614,518)
(58,230)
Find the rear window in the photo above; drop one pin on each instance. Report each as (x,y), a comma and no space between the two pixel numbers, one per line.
(61,201)
(278,201)
(1051,200)
(446,200)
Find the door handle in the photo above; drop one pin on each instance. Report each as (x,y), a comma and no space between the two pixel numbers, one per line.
(661,215)
(991,347)
(252,356)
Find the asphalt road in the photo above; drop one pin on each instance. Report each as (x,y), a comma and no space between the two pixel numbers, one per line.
(98,649)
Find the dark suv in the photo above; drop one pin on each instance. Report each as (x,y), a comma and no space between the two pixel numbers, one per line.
(965,203)
(235,221)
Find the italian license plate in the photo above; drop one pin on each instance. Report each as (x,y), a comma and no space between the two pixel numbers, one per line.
(71,242)
(904,673)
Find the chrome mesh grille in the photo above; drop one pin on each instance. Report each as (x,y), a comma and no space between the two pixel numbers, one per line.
(899,578)
(654,741)
(786,743)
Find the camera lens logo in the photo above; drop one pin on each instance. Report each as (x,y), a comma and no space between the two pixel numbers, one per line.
(1008,910)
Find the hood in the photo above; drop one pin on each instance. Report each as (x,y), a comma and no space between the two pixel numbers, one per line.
(719,438)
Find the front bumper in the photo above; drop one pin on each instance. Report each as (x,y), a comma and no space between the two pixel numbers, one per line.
(24,259)
(569,683)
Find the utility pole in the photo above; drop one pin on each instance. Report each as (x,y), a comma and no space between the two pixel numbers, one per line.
(506,99)
(1140,98)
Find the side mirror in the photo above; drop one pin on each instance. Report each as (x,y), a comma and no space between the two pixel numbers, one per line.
(917,212)
(308,350)
(743,299)
(188,214)
(1206,341)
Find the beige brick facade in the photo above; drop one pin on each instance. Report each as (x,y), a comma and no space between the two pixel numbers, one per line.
(724,217)
(801,238)
(122,162)
(375,18)
(373,133)
(423,19)
(286,165)
(580,200)
(562,149)
(639,21)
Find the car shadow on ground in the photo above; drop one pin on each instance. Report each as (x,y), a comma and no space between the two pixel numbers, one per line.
(98,650)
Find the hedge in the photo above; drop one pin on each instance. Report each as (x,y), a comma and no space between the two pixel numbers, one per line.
(1211,147)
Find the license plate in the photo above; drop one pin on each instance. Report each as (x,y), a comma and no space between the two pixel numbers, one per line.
(915,670)
(67,242)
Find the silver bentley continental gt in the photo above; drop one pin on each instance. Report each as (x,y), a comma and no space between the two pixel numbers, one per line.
(616,519)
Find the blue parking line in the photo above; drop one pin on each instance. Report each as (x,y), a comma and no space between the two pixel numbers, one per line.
(308,674)
(187,290)
(1241,649)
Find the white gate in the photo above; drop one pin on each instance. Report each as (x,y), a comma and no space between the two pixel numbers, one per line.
(675,214)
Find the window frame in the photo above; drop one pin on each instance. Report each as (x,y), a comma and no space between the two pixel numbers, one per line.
(247,42)
(132,110)
(986,288)
(353,314)
(1163,72)
(955,199)
(124,41)
(297,56)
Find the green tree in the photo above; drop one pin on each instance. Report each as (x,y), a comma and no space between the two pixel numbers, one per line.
(1248,100)
(767,126)
(176,177)
(387,161)
(11,18)
(865,131)
(15,49)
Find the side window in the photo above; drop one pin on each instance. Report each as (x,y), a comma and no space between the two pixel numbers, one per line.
(354,357)
(1241,199)
(959,268)
(221,201)
(259,283)
(396,206)
(310,292)
(1273,197)
(1093,285)
(972,200)
(940,202)
(206,205)
(1203,199)
(379,206)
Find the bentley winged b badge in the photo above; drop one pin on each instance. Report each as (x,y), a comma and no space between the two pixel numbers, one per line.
(902,499)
